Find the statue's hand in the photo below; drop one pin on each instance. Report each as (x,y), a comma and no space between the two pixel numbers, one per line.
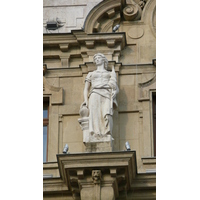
(114,94)
(85,103)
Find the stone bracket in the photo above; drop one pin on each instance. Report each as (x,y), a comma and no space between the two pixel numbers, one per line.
(111,13)
(110,43)
(89,44)
(95,175)
(64,47)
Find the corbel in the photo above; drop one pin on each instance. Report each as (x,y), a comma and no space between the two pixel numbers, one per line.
(80,174)
(110,43)
(113,172)
(89,44)
(111,13)
(96,27)
(64,47)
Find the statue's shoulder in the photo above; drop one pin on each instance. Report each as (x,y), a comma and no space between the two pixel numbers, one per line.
(89,73)
(88,77)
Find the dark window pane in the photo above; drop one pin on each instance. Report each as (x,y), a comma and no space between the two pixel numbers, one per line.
(44,143)
(45,112)
(154,123)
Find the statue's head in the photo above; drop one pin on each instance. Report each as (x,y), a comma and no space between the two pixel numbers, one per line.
(102,57)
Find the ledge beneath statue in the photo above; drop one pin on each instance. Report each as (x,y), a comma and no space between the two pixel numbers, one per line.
(99,146)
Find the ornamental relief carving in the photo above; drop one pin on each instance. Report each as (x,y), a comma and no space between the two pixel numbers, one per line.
(146,86)
(154,20)
(96,176)
(108,14)
(56,93)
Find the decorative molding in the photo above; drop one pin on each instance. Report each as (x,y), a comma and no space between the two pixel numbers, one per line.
(64,47)
(60,133)
(119,177)
(55,92)
(153,22)
(90,44)
(84,46)
(110,43)
(92,170)
(103,17)
(132,11)
(142,4)
(145,87)
(135,33)
(44,69)
(111,13)
(149,160)
(149,15)
(98,12)
(54,185)
(148,82)
(65,60)
(96,176)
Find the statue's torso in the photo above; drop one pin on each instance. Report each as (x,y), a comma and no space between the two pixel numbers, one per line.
(100,77)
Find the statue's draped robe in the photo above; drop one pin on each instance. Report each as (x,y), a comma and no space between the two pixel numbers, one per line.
(101,104)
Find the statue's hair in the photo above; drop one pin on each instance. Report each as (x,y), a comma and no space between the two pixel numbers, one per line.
(104,59)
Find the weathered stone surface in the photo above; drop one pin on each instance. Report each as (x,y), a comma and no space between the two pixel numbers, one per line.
(68,60)
(71,13)
(98,107)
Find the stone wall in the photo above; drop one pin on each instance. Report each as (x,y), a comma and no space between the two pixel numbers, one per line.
(69,58)
(71,13)
(108,172)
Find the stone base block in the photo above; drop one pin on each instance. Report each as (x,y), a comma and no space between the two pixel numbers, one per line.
(98,147)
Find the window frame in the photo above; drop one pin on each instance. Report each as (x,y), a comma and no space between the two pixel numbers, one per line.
(153,123)
(46,123)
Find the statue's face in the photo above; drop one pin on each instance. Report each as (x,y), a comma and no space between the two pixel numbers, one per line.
(98,60)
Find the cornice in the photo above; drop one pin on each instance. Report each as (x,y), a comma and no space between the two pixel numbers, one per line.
(79,38)
(54,185)
(82,45)
(117,168)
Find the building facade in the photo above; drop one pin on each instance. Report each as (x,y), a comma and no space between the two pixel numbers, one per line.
(125,32)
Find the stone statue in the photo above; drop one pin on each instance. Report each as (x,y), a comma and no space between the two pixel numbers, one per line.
(100,98)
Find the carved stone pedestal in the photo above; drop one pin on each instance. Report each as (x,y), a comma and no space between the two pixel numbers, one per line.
(99,146)
(84,123)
